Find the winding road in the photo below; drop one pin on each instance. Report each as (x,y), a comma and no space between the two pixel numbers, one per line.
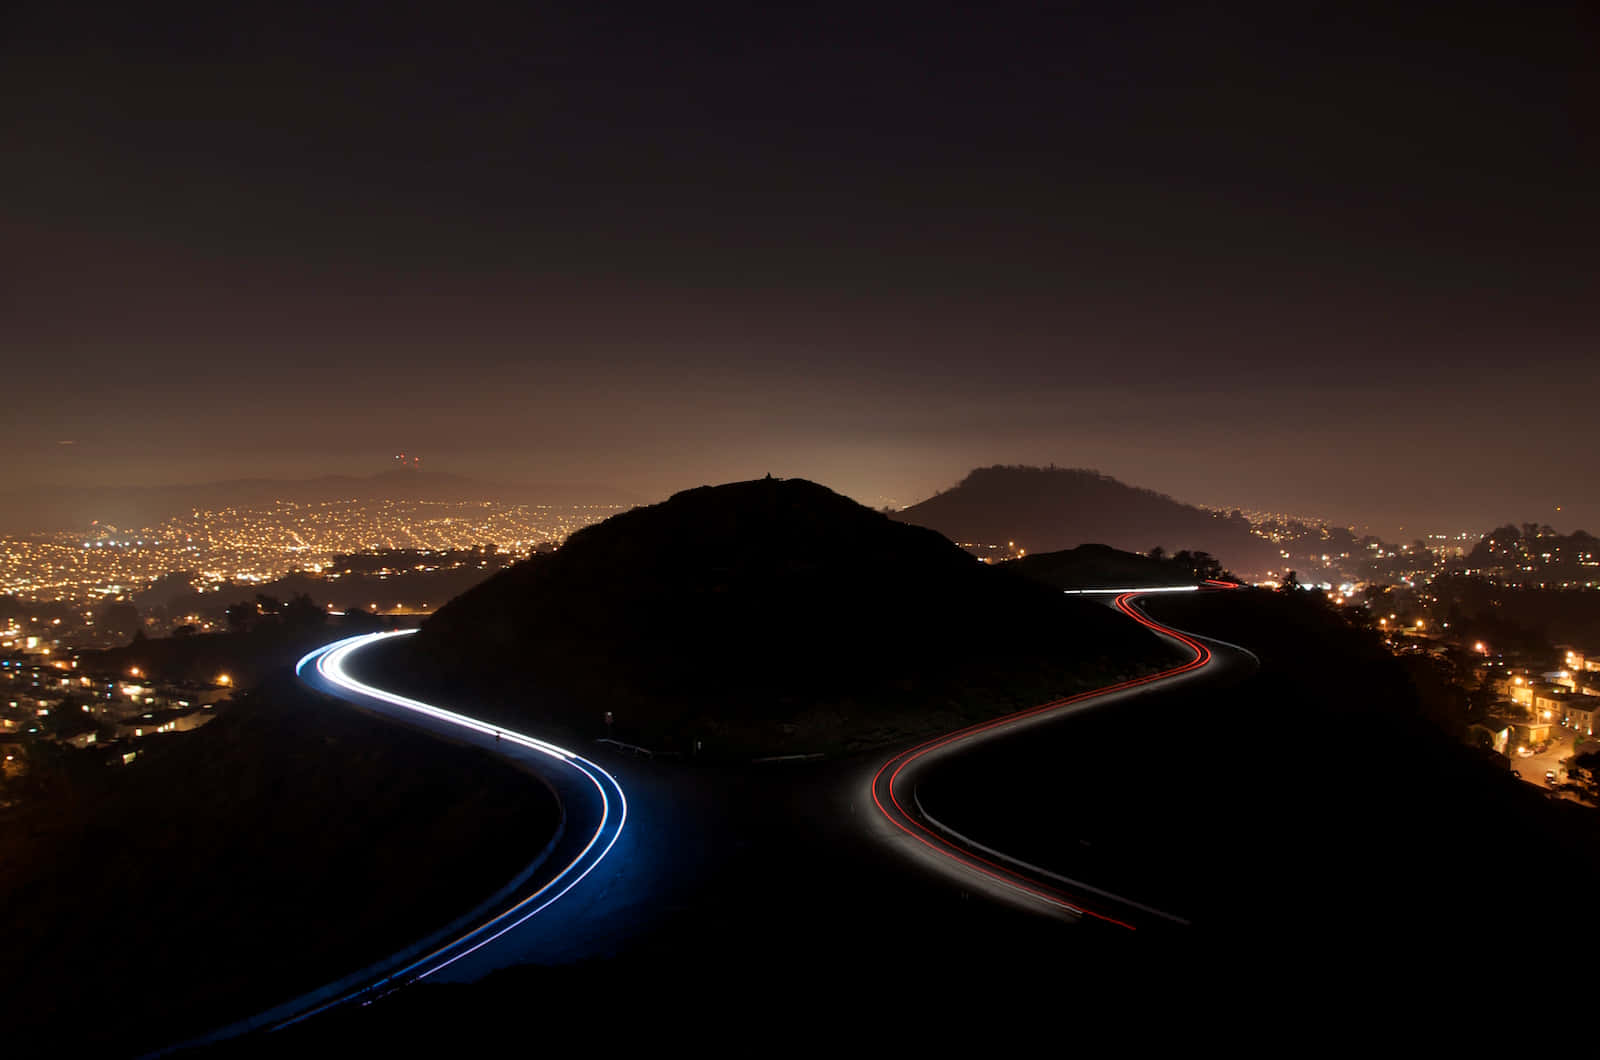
(594,807)
(594,814)
(893,785)
(617,868)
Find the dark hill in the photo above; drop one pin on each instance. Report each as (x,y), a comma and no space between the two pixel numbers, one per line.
(1049,509)
(284,845)
(1098,567)
(772,615)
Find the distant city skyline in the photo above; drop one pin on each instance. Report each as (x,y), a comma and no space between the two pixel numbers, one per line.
(497,483)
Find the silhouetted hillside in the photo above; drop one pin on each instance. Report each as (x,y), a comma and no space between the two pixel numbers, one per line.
(1049,509)
(768,615)
(289,842)
(1364,788)
(1303,815)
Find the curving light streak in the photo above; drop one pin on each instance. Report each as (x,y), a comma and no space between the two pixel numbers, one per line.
(895,812)
(330,664)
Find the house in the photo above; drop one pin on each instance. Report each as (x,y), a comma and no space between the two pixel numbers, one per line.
(180,719)
(1579,713)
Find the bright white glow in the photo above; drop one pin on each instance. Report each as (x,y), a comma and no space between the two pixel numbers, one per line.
(330,664)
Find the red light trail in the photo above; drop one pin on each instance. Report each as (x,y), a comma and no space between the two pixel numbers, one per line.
(887,788)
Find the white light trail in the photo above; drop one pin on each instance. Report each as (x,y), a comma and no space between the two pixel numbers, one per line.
(331,666)
(329,663)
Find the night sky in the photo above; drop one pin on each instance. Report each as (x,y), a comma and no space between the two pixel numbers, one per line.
(1317,258)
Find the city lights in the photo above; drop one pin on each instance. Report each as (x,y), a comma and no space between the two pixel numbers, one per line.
(253,546)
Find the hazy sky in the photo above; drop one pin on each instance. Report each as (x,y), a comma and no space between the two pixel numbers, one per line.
(1312,257)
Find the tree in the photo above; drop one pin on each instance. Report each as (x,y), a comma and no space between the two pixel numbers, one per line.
(1201,565)
(302,612)
(1158,554)
(119,618)
(242,616)
(1585,767)
(1291,581)
(357,618)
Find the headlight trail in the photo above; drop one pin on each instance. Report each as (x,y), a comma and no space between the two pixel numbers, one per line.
(901,810)
(329,663)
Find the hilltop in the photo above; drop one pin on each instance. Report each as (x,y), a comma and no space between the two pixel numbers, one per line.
(765,616)
(1050,509)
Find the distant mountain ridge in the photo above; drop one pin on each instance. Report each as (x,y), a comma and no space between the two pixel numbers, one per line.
(139,506)
(1054,509)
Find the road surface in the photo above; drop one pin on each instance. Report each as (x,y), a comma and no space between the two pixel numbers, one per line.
(893,788)
(793,858)
(594,818)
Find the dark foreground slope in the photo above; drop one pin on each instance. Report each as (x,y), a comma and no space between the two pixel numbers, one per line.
(1303,814)
(287,843)
(1049,509)
(1367,823)
(763,617)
